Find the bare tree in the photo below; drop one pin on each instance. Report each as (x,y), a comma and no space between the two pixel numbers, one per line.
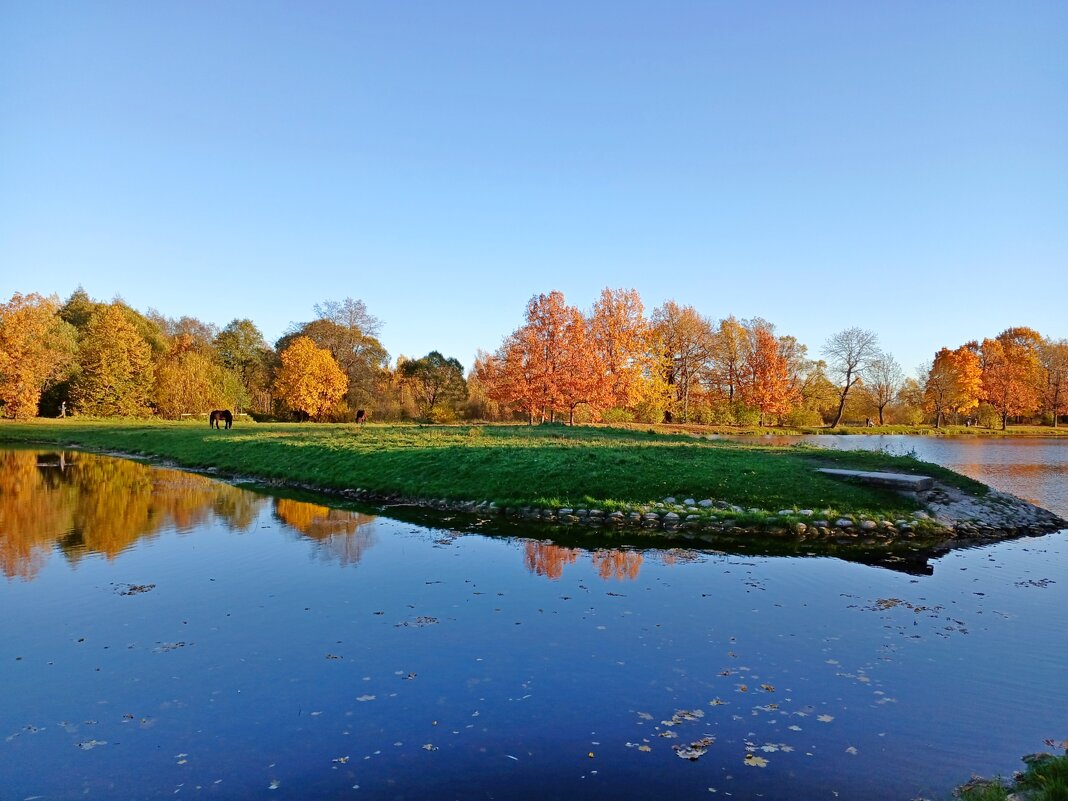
(849,353)
(349,314)
(885,378)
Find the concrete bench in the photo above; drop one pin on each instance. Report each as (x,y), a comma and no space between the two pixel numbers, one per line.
(902,481)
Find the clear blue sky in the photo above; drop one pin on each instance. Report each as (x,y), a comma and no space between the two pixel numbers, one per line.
(901,166)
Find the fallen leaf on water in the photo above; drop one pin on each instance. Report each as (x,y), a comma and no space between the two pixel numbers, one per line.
(851,750)
(753,761)
(429,747)
(366,698)
(644,748)
(274,785)
(88,745)
(824,718)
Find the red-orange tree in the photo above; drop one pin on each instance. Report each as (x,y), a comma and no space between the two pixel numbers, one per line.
(765,380)
(1011,372)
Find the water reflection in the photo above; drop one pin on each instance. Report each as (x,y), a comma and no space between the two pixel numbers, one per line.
(548,560)
(82,503)
(339,534)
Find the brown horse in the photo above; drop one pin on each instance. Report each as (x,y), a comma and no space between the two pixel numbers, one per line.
(218,415)
(361,416)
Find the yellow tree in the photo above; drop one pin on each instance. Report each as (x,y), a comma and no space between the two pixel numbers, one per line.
(1054,356)
(116,375)
(684,338)
(36,348)
(310,380)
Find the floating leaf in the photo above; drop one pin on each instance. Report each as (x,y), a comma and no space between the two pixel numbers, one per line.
(754,761)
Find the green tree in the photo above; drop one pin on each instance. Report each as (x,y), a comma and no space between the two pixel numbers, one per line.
(242,349)
(437,383)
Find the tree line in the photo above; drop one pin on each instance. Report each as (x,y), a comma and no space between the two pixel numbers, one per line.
(611,363)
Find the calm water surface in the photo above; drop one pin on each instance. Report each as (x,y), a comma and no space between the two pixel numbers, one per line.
(165,635)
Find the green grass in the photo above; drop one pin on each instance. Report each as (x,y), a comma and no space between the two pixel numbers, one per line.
(511,465)
(1046,779)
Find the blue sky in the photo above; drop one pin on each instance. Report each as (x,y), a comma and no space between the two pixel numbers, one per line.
(897,166)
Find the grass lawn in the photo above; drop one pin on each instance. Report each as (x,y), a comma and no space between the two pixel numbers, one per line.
(611,468)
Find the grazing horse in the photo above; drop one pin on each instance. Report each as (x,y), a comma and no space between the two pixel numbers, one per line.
(220,414)
(361,416)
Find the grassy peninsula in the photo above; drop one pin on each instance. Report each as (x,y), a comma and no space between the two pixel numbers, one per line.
(513,466)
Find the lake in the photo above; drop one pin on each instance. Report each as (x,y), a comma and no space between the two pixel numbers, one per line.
(168,635)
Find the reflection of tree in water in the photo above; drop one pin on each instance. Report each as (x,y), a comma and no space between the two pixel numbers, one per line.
(338,534)
(32,516)
(86,503)
(615,564)
(546,559)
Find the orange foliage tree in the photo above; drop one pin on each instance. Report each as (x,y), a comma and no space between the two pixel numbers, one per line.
(954,382)
(765,380)
(309,380)
(619,333)
(36,348)
(1011,372)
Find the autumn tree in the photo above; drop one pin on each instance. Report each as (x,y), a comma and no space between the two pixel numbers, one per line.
(309,380)
(849,353)
(618,333)
(116,375)
(885,377)
(729,346)
(684,338)
(953,383)
(437,383)
(37,348)
(349,332)
(764,378)
(1011,372)
(1053,356)
(582,377)
(541,342)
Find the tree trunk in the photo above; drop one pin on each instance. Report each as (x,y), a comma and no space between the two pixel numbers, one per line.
(881,415)
(841,411)
(1004,421)
(571,416)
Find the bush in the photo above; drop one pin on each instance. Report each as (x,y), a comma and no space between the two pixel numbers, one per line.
(617,415)
(803,418)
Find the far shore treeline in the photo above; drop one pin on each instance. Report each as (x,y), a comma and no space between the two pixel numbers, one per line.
(611,363)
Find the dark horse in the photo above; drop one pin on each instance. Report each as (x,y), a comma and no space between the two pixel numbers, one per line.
(361,416)
(220,414)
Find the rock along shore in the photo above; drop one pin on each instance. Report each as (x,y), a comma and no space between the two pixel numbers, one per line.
(949,514)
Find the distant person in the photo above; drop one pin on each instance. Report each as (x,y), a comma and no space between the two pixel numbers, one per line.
(63,409)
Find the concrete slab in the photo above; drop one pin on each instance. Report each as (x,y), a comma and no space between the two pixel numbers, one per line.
(903,481)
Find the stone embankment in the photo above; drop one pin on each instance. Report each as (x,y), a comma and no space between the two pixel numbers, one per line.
(949,514)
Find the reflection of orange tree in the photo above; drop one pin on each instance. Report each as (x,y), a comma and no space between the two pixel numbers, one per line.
(617,564)
(99,504)
(337,532)
(546,559)
(31,516)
